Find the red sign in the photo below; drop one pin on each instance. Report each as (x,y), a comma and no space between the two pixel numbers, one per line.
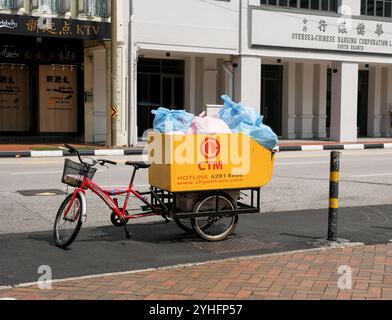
(210,148)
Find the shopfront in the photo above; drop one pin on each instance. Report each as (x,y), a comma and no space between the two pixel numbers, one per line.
(42,75)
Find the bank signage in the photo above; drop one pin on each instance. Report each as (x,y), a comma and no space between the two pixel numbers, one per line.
(296,30)
(54,27)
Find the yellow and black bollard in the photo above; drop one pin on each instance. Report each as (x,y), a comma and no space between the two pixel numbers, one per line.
(334,196)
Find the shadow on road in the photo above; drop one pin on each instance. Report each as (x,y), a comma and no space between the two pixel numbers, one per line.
(105,249)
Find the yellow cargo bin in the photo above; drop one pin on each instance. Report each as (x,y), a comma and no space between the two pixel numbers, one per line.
(183,163)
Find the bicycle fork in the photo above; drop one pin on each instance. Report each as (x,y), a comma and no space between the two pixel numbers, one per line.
(83,206)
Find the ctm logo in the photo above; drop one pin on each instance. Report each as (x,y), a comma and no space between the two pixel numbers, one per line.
(210,148)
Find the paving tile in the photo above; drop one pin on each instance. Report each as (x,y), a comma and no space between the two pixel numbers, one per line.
(297,276)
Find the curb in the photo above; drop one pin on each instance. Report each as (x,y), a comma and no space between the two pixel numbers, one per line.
(335,147)
(127,152)
(59,154)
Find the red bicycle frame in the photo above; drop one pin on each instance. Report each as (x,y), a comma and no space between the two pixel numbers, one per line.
(105,195)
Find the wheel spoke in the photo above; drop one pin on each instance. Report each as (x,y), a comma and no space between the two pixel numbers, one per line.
(214,228)
(66,226)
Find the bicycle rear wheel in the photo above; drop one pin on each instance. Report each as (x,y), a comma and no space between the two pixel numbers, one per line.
(67,228)
(184,224)
(215,227)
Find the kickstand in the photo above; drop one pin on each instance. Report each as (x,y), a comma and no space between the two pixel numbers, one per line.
(128,234)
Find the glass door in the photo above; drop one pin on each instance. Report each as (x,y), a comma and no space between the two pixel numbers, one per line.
(271,96)
(363,95)
(160,84)
(173,92)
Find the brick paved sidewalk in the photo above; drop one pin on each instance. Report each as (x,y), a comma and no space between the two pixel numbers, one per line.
(298,276)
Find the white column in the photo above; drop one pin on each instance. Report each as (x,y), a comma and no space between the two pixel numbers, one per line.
(288,107)
(133,56)
(89,65)
(320,101)
(247,82)
(108,56)
(386,103)
(344,101)
(27,6)
(190,85)
(374,103)
(120,75)
(74,8)
(304,100)
(210,80)
(199,84)
(350,7)
(99,95)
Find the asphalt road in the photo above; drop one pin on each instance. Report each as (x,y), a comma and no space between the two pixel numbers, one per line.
(301,181)
(294,216)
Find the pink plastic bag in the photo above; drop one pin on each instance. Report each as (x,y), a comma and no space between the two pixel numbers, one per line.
(208,125)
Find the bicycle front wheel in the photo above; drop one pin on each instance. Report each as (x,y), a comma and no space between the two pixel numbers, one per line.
(66,228)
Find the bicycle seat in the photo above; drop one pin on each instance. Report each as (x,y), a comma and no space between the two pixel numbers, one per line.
(138,164)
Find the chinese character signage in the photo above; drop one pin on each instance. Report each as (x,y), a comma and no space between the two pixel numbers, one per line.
(296,30)
(54,27)
(58,99)
(14,98)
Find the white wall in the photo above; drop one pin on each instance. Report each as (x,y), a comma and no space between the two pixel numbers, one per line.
(194,25)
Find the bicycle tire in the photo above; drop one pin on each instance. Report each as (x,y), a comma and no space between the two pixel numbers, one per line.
(183,226)
(63,244)
(204,229)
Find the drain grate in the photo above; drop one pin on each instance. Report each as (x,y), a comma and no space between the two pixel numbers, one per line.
(235,244)
(41,193)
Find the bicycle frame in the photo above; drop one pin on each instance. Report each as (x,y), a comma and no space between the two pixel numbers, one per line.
(106,196)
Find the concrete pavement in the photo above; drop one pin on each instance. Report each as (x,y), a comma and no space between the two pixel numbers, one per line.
(308,275)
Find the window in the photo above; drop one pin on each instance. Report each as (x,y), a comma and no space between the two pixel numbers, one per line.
(51,6)
(11,4)
(95,8)
(321,5)
(376,8)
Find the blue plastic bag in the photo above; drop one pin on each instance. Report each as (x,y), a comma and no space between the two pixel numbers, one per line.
(167,121)
(259,132)
(235,113)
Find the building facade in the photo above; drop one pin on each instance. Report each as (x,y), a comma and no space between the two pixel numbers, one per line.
(314,69)
(53,57)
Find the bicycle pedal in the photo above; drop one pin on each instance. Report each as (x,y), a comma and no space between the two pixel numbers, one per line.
(128,235)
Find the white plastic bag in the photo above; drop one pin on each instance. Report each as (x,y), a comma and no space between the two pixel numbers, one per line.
(208,125)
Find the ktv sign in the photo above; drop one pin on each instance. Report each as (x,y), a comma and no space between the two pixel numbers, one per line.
(271,28)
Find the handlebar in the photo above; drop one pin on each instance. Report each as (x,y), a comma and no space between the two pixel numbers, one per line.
(101,162)
(74,151)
